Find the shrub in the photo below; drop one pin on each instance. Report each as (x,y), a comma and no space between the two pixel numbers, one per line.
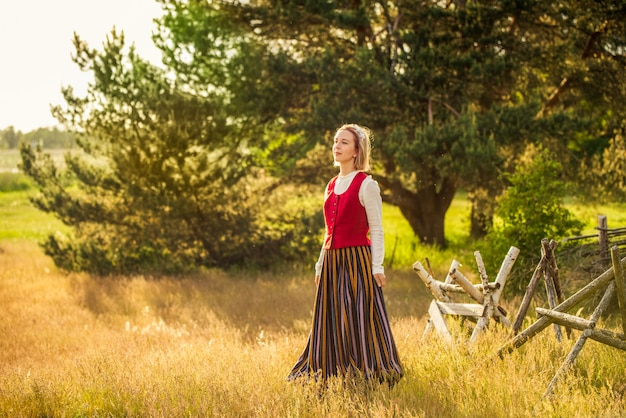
(529,210)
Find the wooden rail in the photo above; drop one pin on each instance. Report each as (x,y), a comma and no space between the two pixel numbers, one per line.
(613,283)
(486,295)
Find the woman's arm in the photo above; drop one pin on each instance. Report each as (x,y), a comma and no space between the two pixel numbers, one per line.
(370,198)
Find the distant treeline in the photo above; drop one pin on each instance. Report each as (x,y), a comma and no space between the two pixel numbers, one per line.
(48,138)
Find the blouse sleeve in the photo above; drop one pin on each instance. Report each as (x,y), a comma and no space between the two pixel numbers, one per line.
(370,198)
(320,260)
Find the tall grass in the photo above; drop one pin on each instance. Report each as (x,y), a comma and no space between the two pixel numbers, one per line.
(216,345)
(221,344)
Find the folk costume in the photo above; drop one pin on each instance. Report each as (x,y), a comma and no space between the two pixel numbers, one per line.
(350,331)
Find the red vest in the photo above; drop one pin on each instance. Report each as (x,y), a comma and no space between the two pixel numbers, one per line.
(346,219)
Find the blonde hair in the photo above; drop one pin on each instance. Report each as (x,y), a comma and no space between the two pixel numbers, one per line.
(363,144)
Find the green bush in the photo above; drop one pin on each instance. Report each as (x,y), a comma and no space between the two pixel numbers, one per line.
(530,209)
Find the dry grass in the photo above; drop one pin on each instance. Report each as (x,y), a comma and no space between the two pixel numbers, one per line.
(215,344)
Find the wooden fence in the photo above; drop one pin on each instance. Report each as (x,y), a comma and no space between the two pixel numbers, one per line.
(595,247)
(612,283)
(604,247)
(486,296)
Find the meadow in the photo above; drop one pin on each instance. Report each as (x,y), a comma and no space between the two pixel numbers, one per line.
(219,343)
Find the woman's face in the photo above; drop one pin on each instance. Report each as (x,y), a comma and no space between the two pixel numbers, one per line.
(344,148)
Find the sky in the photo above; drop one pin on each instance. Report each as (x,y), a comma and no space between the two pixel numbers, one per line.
(36,48)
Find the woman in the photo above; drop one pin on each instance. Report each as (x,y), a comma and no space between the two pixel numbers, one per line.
(350,332)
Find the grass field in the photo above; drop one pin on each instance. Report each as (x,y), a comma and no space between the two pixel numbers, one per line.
(9,159)
(218,344)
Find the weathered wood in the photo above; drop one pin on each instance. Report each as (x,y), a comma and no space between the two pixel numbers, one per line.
(467,286)
(595,316)
(567,319)
(483,321)
(453,266)
(430,282)
(482,293)
(452,288)
(482,324)
(493,289)
(553,271)
(620,284)
(608,338)
(566,365)
(530,293)
(603,237)
(500,315)
(427,328)
(491,285)
(528,296)
(429,324)
(569,303)
(481,270)
(501,278)
(462,309)
(549,284)
(438,322)
(503,273)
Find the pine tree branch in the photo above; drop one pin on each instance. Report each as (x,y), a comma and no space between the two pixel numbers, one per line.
(566,83)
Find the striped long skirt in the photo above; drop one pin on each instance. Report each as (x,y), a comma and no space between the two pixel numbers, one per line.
(350,332)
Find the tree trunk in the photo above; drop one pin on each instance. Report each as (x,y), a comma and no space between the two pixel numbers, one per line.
(480,223)
(425,210)
(482,208)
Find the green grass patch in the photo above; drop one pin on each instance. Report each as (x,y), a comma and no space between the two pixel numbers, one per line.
(403,248)
(20,220)
(12,182)
(589,212)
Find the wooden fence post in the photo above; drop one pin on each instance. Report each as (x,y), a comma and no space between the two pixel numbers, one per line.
(530,291)
(430,282)
(547,252)
(620,284)
(603,240)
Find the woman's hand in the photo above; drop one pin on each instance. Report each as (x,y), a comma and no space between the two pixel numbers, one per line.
(380,279)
